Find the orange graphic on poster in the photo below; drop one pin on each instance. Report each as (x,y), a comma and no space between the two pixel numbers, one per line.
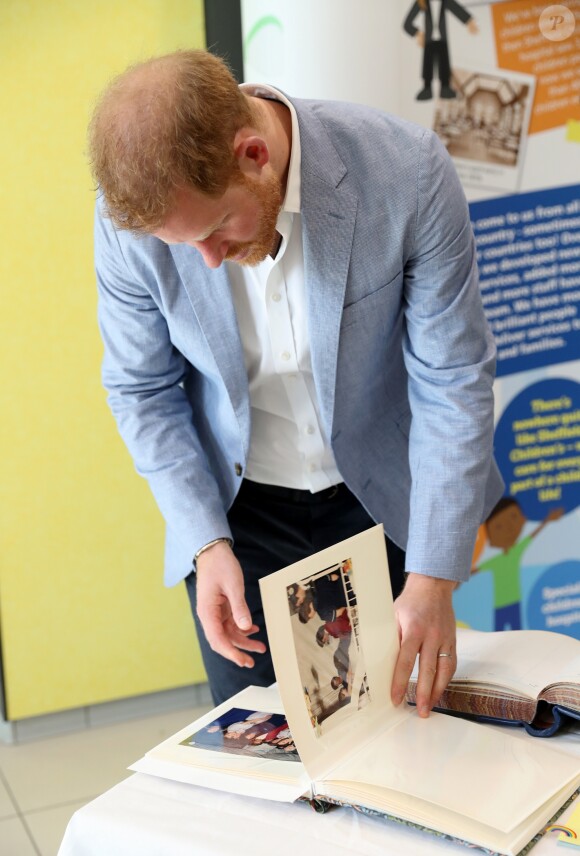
(480,541)
(543,39)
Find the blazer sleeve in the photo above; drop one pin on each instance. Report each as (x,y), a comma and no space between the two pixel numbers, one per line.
(459,11)
(144,376)
(409,22)
(450,354)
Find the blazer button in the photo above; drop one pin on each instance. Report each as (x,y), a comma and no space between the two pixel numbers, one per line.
(238,468)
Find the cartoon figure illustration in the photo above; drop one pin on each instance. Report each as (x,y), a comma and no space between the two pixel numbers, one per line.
(504,526)
(433,39)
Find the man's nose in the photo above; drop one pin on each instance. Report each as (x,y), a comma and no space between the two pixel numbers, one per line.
(213,252)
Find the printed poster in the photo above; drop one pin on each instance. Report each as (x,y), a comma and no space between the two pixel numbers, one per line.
(500,85)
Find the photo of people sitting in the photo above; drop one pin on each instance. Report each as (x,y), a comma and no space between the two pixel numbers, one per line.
(323,613)
(247,732)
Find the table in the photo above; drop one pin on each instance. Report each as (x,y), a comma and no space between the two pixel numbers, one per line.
(147,816)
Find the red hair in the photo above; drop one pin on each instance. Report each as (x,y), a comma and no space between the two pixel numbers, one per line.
(165,123)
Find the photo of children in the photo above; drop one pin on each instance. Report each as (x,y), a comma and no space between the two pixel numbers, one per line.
(247,732)
(324,621)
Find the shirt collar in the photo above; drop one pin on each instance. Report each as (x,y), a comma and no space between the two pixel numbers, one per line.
(291,202)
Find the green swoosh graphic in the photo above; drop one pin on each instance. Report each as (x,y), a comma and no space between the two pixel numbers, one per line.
(264,21)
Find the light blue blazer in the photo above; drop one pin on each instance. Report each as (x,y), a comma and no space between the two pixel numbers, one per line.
(402,356)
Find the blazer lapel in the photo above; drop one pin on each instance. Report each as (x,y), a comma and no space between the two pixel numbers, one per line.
(210,297)
(329,214)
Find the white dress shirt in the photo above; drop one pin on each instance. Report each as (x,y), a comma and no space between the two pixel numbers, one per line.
(435,18)
(288,444)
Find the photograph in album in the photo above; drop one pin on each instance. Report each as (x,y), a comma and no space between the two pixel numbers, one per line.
(325,630)
(253,733)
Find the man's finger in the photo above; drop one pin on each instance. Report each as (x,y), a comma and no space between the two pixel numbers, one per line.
(221,644)
(240,612)
(445,670)
(225,638)
(241,638)
(403,669)
(436,668)
(426,679)
(218,637)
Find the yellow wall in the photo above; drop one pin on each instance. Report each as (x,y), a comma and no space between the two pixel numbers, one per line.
(84,616)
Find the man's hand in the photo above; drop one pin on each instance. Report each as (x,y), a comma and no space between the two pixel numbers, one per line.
(426,620)
(221,606)
(420,38)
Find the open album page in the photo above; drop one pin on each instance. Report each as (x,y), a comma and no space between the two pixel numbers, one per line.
(426,769)
(521,662)
(456,825)
(334,642)
(243,746)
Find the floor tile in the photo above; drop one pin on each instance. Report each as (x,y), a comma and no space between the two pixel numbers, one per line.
(7,807)
(67,768)
(15,840)
(47,827)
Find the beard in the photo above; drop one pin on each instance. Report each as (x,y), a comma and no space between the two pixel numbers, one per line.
(269,196)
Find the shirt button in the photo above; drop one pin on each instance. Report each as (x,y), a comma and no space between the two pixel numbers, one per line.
(276,297)
(285,355)
(312,468)
(309,429)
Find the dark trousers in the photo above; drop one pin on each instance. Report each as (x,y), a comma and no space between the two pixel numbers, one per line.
(272,528)
(436,54)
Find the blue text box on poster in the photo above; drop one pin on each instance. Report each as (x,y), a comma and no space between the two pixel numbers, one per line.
(528,252)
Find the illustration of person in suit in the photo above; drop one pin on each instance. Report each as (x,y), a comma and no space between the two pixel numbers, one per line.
(433,39)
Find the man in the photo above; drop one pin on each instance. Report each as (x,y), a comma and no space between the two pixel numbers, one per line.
(325,597)
(295,347)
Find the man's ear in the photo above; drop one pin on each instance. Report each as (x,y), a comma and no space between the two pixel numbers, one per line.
(251,152)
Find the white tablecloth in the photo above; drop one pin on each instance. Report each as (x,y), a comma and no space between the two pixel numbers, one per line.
(147,816)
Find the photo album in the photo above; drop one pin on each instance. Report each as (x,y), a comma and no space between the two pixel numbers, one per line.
(521,677)
(328,732)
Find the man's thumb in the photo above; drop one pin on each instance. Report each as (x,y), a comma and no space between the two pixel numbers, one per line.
(240,612)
